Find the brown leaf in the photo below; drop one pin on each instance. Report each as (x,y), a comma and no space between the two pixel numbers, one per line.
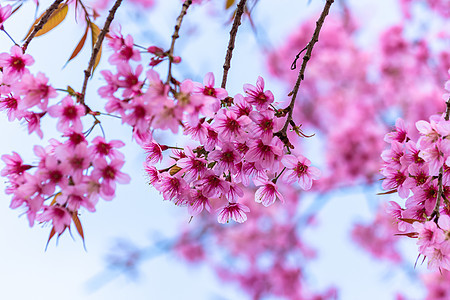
(55,19)
(229,3)
(77,223)
(54,199)
(79,46)
(16,9)
(95,33)
(52,234)
(410,221)
(388,192)
(174,170)
(409,234)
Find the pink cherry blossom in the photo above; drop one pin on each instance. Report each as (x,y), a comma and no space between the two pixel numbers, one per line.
(69,114)
(101,148)
(257,96)
(16,62)
(268,193)
(226,159)
(109,173)
(299,169)
(59,216)
(234,211)
(208,89)
(5,12)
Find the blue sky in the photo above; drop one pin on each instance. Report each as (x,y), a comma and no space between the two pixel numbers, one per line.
(138,212)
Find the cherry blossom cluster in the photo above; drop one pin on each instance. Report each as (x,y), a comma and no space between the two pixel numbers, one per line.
(70,174)
(417,169)
(233,141)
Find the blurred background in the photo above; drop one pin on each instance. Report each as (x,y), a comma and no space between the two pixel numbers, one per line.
(130,241)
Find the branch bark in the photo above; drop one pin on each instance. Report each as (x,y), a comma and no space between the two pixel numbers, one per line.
(301,76)
(98,44)
(41,23)
(233,33)
(176,35)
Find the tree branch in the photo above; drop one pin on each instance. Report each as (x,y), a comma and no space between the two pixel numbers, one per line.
(435,212)
(175,35)
(233,33)
(98,44)
(41,23)
(301,76)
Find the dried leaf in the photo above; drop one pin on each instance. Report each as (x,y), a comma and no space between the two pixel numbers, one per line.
(79,46)
(410,221)
(55,19)
(174,170)
(77,223)
(16,9)
(52,234)
(229,3)
(95,33)
(409,234)
(54,198)
(71,91)
(388,192)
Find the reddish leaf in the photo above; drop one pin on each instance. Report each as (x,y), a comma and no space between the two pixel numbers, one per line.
(410,221)
(77,223)
(16,9)
(52,234)
(388,192)
(409,234)
(79,46)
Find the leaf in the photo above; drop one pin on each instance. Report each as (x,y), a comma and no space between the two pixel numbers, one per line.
(229,3)
(77,223)
(388,192)
(409,234)
(52,234)
(71,91)
(95,33)
(79,46)
(174,170)
(16,9)
(54,198)
(54,20)
(410,221)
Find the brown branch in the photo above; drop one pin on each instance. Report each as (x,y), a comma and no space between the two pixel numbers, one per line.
(98,44)
(435,212)
(41,23)
(176,35)
(233,33)
(301,76)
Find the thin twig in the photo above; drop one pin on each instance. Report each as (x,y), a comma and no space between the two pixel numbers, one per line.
(301,76)
(41,23)
(233,33)
(440,194)
(98,44)
(175,35)
(10,37)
